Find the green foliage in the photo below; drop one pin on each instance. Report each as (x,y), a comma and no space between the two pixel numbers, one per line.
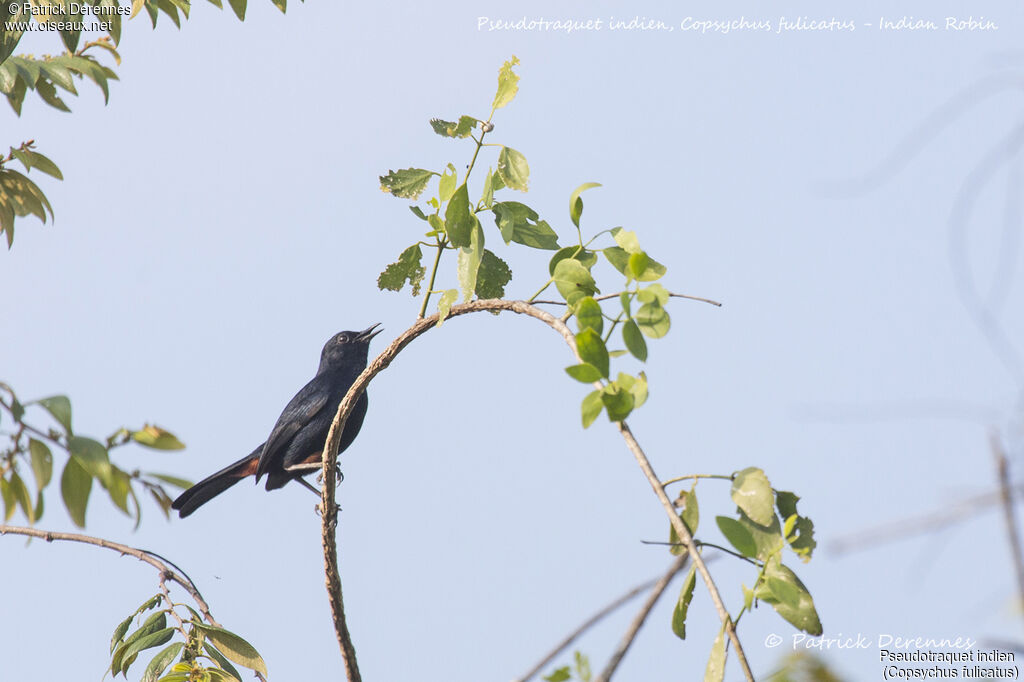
(803,666)
(758,536)
(30,446)
(200,641)
(579,670)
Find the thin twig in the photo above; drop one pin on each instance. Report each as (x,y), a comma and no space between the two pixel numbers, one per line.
(949,514)
(150,558)
(610,296)
(1009,513)
(330,456)
(688,477)
(589,623)
(641,618)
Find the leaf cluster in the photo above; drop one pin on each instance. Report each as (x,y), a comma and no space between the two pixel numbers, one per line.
(766,523)
(30,446)
(205,652)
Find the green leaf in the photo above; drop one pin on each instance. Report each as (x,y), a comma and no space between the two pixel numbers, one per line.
(119,631)
(75,486)
(10,504)
(627,240)
(22,496)
(558,675)
(159,439)
(155,639)
(42,463)
(447,184)
(767,538)
(576,203)
(573,281)
(487,199)
(60,407)
(513,169)
(634,340)
(652,293)
(637,385)
(173,480)
(92,456)
(222,661)
(587,258)
(789,597)
(652,320)
(406,184)
(588,314)
(800,533)
(591,408)
(592,350)
(236,649)
(461,129)
(508,84)
(406,269)
(715,671)
(444,305)
(618,401)
(683,604)
(619,259)
(492,276)
(45,165)
(585,372)
(469,260)
(418,212)
(123,654)
(737,535)
(752,493)
(160,662)
(690,516)
(519,223)
(238,6)
(459,220)
(637,264)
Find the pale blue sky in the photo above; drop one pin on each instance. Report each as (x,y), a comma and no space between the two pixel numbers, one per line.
(221,218)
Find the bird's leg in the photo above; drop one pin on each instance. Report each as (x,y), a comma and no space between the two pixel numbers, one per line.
(316,491)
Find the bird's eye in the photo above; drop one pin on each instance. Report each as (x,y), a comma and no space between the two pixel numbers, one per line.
(343,339)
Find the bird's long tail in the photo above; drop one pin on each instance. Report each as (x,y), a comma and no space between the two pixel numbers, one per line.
(214,485)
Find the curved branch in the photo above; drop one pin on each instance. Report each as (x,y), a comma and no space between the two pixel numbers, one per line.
(151,558)
(381,362)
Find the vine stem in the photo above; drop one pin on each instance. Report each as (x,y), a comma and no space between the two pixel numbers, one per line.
(433,276)
(151,558)
(330,457)
(694,477)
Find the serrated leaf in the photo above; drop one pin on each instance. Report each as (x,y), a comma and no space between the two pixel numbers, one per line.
(592,350)
(752,493)
(737,535)
(42,462)
(513,169)
(588,314)
(406,184)
(683,603)
(492,276)
(585,373)
(60,407)
(652,320)
(236,649)
(591,408)
(634,340)
(407,268)
(459,129)
(159,439)
(508,84)
(576,202)
(519,223)
(75,486)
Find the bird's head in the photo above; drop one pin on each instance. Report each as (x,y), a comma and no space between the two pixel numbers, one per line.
(348,349)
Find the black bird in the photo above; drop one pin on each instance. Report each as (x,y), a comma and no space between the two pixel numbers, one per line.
(294,447)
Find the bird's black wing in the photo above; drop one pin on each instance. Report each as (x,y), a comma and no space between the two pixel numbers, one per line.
(303,408)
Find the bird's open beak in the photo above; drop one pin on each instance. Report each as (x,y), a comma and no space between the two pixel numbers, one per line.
(368,333)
